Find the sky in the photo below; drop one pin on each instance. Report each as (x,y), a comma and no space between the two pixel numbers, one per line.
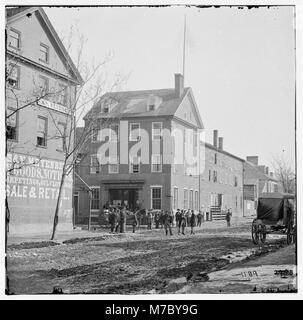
(240,64)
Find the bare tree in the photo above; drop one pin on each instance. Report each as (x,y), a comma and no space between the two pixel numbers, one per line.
(284,174)
(87,94)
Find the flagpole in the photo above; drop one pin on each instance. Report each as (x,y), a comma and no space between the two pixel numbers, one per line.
(184,47)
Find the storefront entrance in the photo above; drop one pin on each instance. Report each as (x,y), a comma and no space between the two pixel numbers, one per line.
(127,197)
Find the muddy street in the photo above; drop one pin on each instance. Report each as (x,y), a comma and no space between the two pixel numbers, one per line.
(144,262)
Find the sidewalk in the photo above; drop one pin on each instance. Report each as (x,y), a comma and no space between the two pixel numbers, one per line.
(83,234)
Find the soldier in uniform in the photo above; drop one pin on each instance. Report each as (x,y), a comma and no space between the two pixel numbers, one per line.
(149,220)
(117,214)
(183,221)
(112,220)
(157,219)
(192,222)
(199,218)
(168,220)
(134,221)
(178,220)
(228,217)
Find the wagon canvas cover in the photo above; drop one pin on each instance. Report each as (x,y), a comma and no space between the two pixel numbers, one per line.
(270,209)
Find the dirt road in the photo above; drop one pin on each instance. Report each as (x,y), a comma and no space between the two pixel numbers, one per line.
(145,262)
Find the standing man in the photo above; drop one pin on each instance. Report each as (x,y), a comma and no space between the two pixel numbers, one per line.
(134,221)
(157,219)
(112,220)
(117,219)
(183,221)
(122,220)
(192,221)
(168,220)
(228,217)
(199,218)
(178,220)
(149,220)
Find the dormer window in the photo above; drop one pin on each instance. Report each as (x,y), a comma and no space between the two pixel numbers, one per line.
(105,109)
(151,107)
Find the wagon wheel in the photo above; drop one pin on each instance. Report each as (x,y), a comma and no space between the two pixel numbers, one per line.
(263,234)
(291,233)
(254,232)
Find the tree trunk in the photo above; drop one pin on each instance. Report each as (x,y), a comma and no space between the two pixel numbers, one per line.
(55,223)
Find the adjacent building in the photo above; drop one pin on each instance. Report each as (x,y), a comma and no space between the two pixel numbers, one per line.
(41,82)
(257,180)
(221,182)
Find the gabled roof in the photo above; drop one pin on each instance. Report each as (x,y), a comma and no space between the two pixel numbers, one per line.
(258,174)
(210,146)
(15,13)
(130,104)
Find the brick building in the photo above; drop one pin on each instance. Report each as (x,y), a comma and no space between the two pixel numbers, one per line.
(221,182)
(257,180)
(147,117)
(42,77)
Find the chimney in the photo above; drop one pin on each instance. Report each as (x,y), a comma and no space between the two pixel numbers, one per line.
(215,141)
(179,84)
(253,159)
(220,143)
(266,170)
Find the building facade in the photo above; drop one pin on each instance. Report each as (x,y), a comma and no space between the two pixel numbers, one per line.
(257,180)
(221,182)
(41,82)
(148,178)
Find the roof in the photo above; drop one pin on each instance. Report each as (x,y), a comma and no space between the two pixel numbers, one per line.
(130,104)
(14,13)
(258,173)
(210,146)
(277,195)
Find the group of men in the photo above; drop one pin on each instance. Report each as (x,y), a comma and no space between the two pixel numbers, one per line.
(183,218)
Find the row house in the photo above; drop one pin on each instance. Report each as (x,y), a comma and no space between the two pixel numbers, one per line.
(221,181)
(257,180)
(41,82)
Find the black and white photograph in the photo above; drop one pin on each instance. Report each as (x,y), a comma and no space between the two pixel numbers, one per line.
(151,150)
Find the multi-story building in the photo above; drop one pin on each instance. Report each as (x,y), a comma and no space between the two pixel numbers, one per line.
(257,180)
(41,82)
(221,181)
(147,178)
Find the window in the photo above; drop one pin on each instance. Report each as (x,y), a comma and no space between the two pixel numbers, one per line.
(11,125)
(44,52)
(236,202)
(196,200)
(175,198)
(185,199)
(13,76)
(113,166)
(134,132)
(61,128)
(215,176)
(62,95)
(41,132)
(114,133)
(151,107)
(156,196)
(156,163)
(95,198)
(135,164)
(15,39)
(215,158)
(157,130)
(209,175)
(191,199)
(43,84)
(236,181)
(94,164)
